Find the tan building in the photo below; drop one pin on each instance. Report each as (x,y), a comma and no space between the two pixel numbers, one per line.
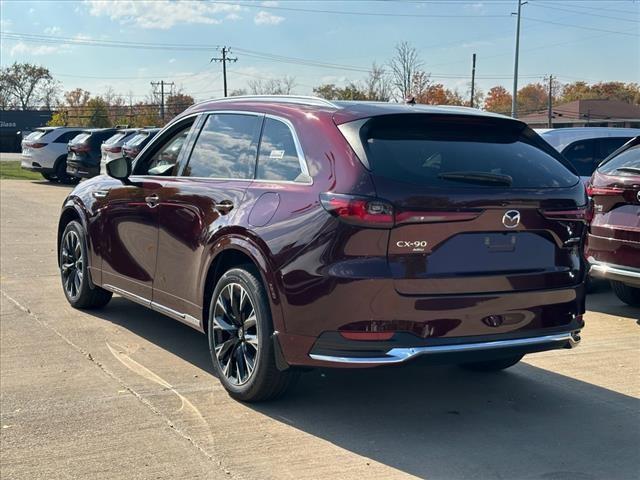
(587,113)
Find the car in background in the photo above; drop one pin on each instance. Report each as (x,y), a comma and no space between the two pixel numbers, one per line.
(300,232)
(45,150)
(135,144)
(112,147)
(586,147)
(84,152)
(613,242)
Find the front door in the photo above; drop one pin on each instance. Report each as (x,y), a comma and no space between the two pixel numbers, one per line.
(130,217)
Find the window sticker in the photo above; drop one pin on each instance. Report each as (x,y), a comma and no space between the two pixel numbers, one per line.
(277,154)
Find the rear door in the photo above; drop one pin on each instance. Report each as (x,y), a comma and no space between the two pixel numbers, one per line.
(205,197)
(480,205)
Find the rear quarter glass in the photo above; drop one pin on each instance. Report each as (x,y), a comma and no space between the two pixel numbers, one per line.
(419,149)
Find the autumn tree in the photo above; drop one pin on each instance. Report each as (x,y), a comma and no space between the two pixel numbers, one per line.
(352,91)
(624,92)
(498,100)
(404,65)
(177,103)
(22,84)
(531,98)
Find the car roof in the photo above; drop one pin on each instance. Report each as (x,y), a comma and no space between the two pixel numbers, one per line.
(560,138)
(342,110)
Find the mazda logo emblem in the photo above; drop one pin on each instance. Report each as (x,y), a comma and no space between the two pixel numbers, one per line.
(511,219)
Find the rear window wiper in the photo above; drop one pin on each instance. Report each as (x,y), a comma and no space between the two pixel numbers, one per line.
(478,177)
(628,169)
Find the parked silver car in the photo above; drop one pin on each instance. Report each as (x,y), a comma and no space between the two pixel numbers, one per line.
(112,147)
(586,147)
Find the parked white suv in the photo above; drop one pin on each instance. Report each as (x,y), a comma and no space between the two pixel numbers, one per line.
(586,147)
(45,150)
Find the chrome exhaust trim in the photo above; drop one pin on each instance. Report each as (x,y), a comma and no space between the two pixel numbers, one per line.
(399,355)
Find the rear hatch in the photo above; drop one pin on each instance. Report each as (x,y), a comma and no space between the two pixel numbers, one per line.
(78,147)
(480,204)
(615,191)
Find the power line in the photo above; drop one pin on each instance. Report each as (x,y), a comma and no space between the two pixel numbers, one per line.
(162,84)
(614,32)
(537,5)
(224,60)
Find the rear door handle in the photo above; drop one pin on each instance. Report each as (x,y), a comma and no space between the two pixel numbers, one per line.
(152,200)
(224,206)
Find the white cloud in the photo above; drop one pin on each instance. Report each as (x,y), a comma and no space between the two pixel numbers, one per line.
(161,14)
(52,30)
(233,17)
(266,18)
(22,48)
(172,60)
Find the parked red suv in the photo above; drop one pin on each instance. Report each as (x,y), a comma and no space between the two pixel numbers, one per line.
(296,231)
(613,246)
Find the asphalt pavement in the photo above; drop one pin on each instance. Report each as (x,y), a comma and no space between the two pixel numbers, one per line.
(127,393)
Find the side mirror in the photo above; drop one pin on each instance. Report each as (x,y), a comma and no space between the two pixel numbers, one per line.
(119,168)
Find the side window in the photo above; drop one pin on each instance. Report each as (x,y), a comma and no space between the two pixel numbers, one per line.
(65,137)
(164,158)
(582,154)
(226,147)
(610,145)
(278,159)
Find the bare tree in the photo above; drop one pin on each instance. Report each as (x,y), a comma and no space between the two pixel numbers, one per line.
(23,81)
(403,67)
(50,93)
(272,86)
(377,84)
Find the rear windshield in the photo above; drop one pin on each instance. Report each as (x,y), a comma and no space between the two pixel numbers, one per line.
(458,152)
(137,140)
(81,137)
(35,135)
(115,138)
(626,163)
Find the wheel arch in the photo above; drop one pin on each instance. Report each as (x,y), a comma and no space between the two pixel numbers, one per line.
(72,211)
(233,251)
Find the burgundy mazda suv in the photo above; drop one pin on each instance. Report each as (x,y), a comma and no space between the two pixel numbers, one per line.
(299,232)
(613,243)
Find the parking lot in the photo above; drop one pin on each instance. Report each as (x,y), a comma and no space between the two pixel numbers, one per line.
(128,393)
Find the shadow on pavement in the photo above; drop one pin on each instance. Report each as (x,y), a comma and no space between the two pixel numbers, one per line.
(442,422)
(604,301)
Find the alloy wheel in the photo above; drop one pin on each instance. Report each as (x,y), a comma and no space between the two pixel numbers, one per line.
(235,334)
(72,263)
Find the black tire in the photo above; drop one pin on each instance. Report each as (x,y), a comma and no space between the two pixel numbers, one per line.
(61,172)
(49,176)
(492,365)
(264,381)
(74,273)
(629,295)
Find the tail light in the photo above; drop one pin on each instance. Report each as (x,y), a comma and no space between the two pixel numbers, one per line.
(79,148)
(113,149)
(36,145)
(131,152)
(575,215)
(356,210)
(591,190)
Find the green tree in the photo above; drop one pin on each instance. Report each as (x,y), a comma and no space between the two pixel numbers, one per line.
(23,84)
(98,113)
(177,103)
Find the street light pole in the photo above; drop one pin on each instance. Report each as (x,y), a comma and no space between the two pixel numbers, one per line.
(514,96)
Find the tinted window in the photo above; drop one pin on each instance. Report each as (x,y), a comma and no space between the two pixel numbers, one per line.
(81,137)
(226,147)
(628,159)
(610,145)
(278,158)
(425,150)
(35,135)
(164,160)
(582,155)
(65,137)
(115,138)
(136,139)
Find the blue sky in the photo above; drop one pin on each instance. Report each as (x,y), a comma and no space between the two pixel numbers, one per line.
(571,39)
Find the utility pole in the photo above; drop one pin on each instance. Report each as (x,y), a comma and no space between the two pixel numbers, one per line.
(473,80)
(162,84)
(514,96)
(550,103)
(224,59)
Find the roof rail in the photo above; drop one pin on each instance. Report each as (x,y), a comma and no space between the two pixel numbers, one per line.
(299,99)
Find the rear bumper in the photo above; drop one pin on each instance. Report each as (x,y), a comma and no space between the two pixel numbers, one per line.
(82,171)
(459,352)
(626,275)
(35,166)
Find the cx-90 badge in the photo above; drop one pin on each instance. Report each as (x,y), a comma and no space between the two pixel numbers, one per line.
(511,219)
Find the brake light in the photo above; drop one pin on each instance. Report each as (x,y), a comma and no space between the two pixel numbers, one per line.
(578,214)
(591,190)
(113,149)
(36,145)
(79,148)
(365,211)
